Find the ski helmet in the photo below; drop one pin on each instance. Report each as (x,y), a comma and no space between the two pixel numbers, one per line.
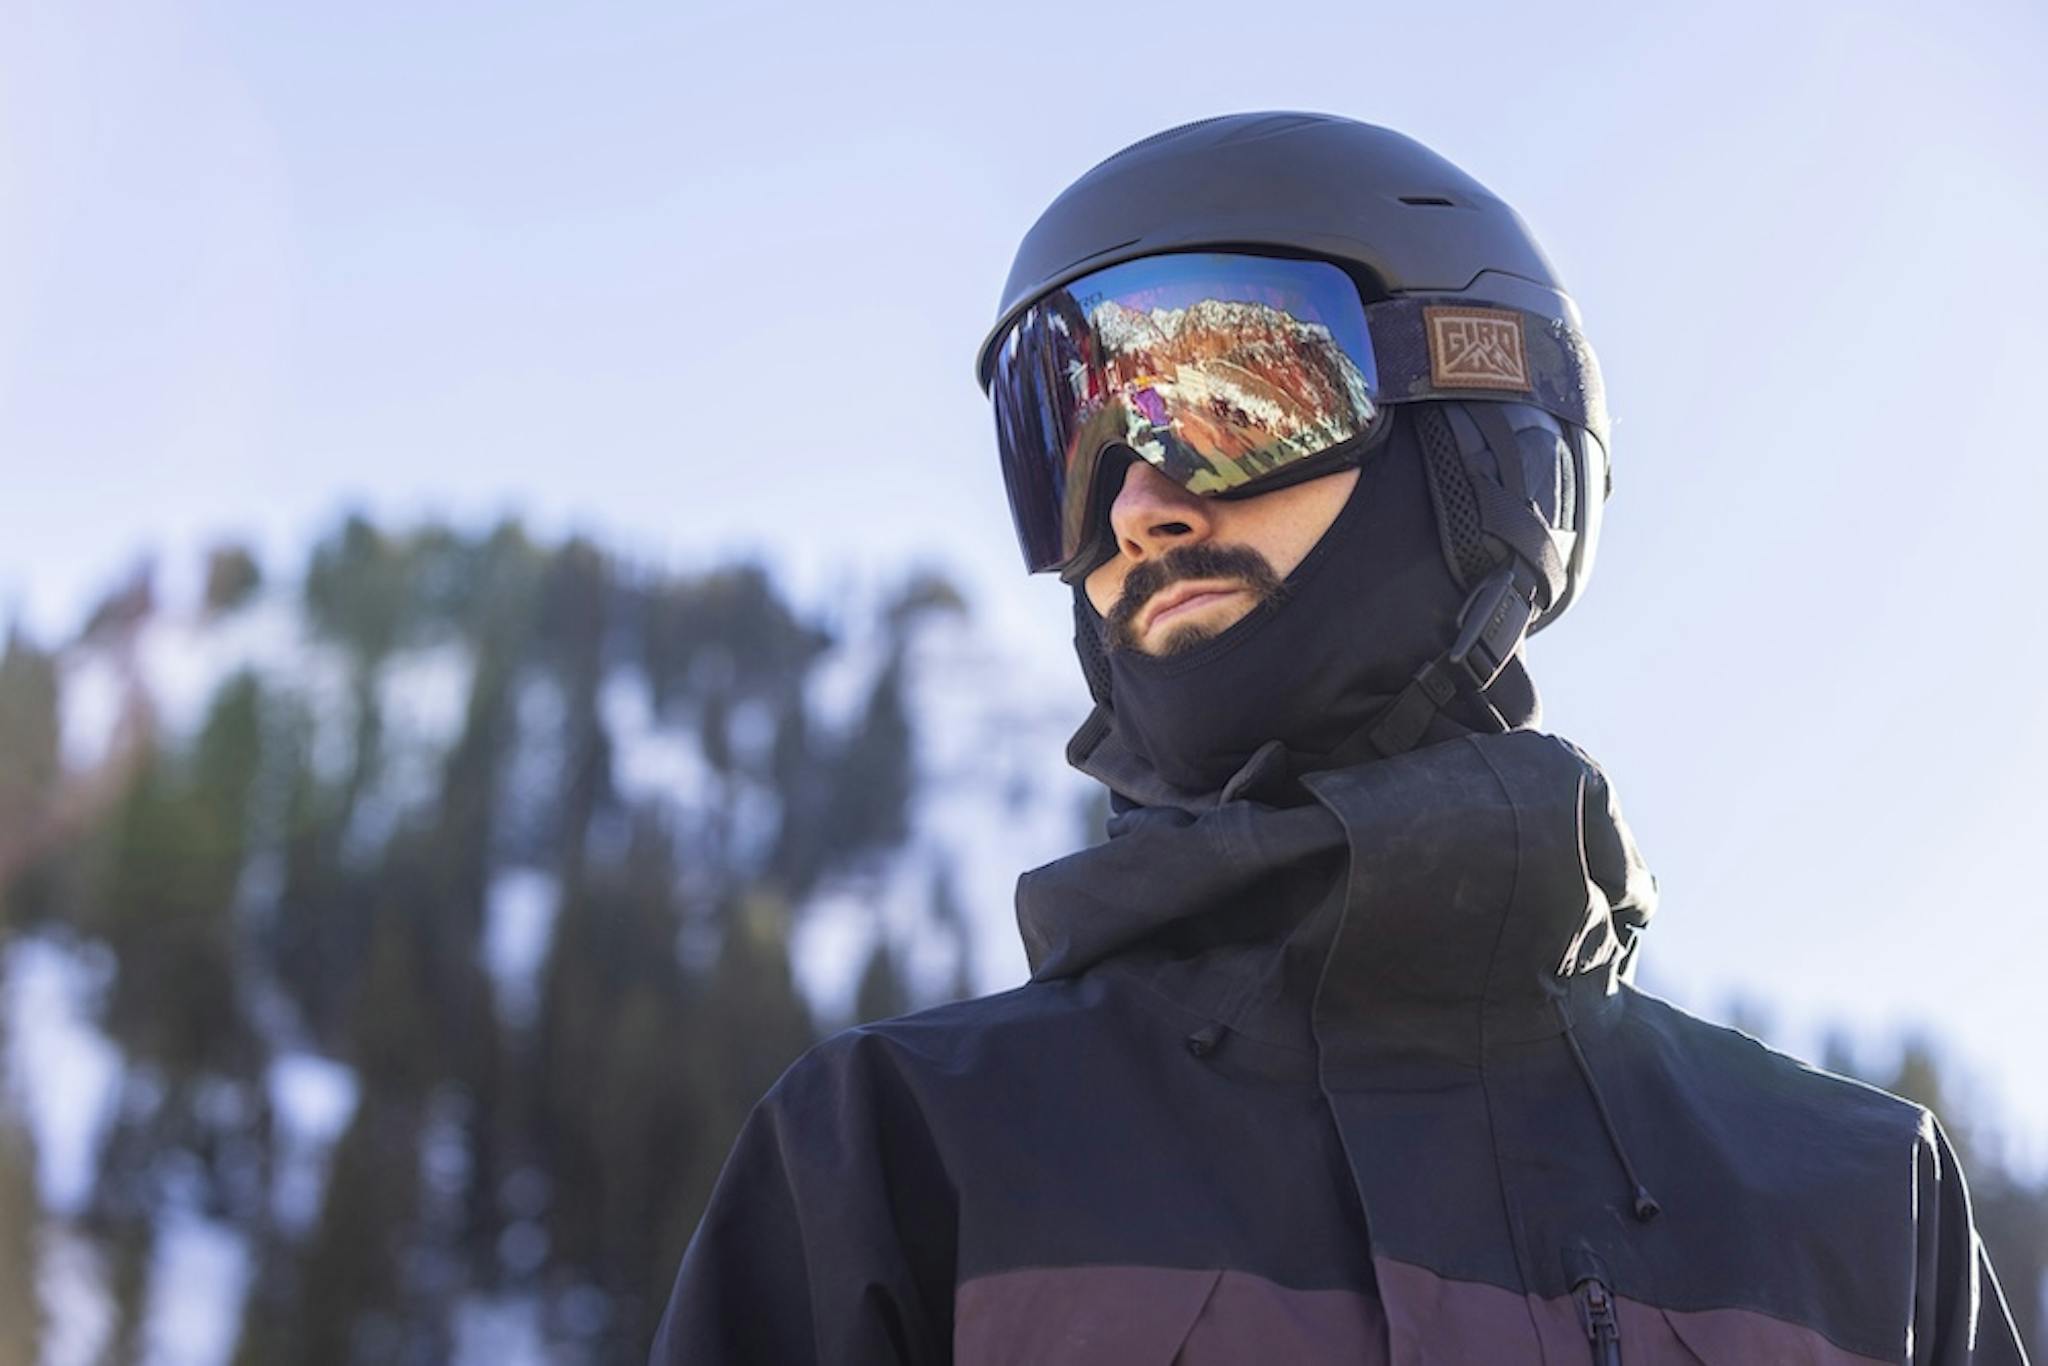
(1469,321)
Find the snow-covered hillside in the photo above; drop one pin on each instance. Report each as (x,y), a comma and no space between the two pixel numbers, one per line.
(991,797)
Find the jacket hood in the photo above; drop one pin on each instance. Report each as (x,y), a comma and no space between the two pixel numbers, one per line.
(1481,873)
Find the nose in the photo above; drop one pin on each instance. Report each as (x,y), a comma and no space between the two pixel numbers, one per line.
(1152,514)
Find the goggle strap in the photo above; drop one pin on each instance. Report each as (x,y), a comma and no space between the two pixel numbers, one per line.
(1499,435)
(1434,348)
(1506,513)
(1515,524)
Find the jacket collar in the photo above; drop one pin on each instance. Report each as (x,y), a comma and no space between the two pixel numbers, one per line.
(1427,905)
(1098,750)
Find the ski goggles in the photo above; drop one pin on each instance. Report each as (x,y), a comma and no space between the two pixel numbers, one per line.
(1230,374)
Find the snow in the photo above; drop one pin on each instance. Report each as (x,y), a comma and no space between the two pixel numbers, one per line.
(423,699)
(519,921)
(423,693)
(64,1073)
(89,703)
(829,948)
(754,815)
(841,681)
(198,1278)
(186,658)
(313,1098)
(1124,330)
(498,1332)
(78,1313)
(750,730)
(650,761)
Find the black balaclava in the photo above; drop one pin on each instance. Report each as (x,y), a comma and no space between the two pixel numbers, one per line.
(1371,603)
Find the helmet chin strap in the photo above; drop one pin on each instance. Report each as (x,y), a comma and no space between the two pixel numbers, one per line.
(1528,576)
(1491,627)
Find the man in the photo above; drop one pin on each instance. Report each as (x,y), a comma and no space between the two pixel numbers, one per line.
(1329,1054)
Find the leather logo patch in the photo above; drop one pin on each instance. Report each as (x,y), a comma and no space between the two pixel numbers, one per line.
(1476,348)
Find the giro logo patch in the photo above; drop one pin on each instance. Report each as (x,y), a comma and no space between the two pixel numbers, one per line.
(1476,348)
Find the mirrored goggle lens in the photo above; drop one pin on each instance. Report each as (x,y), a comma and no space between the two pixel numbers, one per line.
(1219,370)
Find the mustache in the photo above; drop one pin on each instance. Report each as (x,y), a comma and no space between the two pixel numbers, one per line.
(1239,562)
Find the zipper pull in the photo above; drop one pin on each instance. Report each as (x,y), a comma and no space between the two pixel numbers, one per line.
(1603,1326)
(1597,1311)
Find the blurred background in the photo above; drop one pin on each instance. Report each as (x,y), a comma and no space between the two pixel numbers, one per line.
(512,630)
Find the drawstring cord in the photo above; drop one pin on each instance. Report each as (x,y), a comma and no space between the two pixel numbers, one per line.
(1646,1206)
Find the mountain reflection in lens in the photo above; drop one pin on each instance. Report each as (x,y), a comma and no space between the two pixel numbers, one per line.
(1218,369)
(1221,391)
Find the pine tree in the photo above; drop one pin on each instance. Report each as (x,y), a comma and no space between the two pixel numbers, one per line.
(882,994)
(168,905)
(29,763)
(350,1305)
(232,578)
(316,937)
(21,1312)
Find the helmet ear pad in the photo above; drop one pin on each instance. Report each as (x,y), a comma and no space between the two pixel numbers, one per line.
(1542,470)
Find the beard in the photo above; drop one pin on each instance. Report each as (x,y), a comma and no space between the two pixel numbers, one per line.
(1252,571)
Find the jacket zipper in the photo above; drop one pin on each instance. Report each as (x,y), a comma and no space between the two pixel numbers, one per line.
(1603,1327)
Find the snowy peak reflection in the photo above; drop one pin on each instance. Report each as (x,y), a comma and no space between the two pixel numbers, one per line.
(1222,390)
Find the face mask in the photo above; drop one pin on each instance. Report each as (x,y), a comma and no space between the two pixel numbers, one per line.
(1368,606)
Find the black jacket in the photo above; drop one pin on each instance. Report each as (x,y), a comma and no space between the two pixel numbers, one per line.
(1358,1080)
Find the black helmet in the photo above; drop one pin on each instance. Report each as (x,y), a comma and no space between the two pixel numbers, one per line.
(1518,473)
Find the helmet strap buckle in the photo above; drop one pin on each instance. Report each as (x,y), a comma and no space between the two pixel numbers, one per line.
(1491,627)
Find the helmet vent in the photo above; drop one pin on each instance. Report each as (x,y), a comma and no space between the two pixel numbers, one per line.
(1428,201)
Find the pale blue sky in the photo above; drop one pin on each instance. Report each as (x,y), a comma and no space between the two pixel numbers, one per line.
(708,278)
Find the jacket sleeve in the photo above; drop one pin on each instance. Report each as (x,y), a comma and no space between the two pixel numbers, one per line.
(828,1237)
(1959,1314)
